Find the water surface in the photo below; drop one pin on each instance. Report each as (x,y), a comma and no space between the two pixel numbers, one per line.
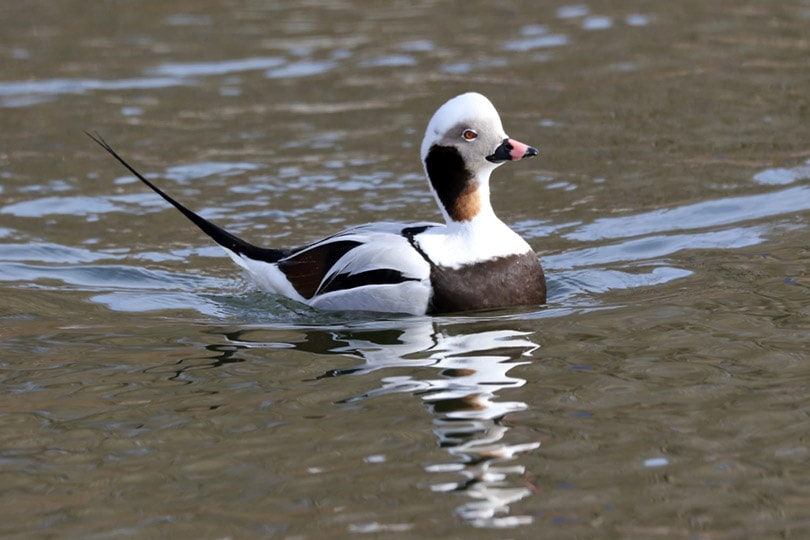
(149,391)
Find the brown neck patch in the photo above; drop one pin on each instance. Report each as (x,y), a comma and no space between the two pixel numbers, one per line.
(454,184)
(467,205)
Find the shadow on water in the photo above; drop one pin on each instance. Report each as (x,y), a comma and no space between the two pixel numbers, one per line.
(461,372)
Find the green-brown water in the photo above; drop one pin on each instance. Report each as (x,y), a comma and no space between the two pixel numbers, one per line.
(146,391)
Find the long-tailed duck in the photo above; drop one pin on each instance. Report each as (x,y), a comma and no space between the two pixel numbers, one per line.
(473,261)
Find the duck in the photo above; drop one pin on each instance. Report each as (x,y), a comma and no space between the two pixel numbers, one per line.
(473,261)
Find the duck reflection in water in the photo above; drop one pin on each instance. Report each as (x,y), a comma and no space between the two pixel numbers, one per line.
(467,371)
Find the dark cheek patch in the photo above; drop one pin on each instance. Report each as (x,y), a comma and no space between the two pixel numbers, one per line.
(453,183)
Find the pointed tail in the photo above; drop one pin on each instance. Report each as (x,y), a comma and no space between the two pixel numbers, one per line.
(218,234)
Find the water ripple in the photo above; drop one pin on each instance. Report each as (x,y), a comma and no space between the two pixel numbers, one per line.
(303,68)
(656,247)
(24,93)
(697,216)
(782,176)
(535,42)
(224,67)
(100,277)
(76,205)
(51,253)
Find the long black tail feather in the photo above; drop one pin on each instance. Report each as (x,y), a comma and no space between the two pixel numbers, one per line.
(217,233)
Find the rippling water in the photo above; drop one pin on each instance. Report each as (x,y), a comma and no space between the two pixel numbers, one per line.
(149,391)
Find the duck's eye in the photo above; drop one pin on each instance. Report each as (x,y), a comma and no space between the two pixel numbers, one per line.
(469,135)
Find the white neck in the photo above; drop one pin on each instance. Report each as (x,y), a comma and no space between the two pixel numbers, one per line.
(467,242)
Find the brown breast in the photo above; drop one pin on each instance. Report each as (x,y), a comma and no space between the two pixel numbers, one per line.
(515,280)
